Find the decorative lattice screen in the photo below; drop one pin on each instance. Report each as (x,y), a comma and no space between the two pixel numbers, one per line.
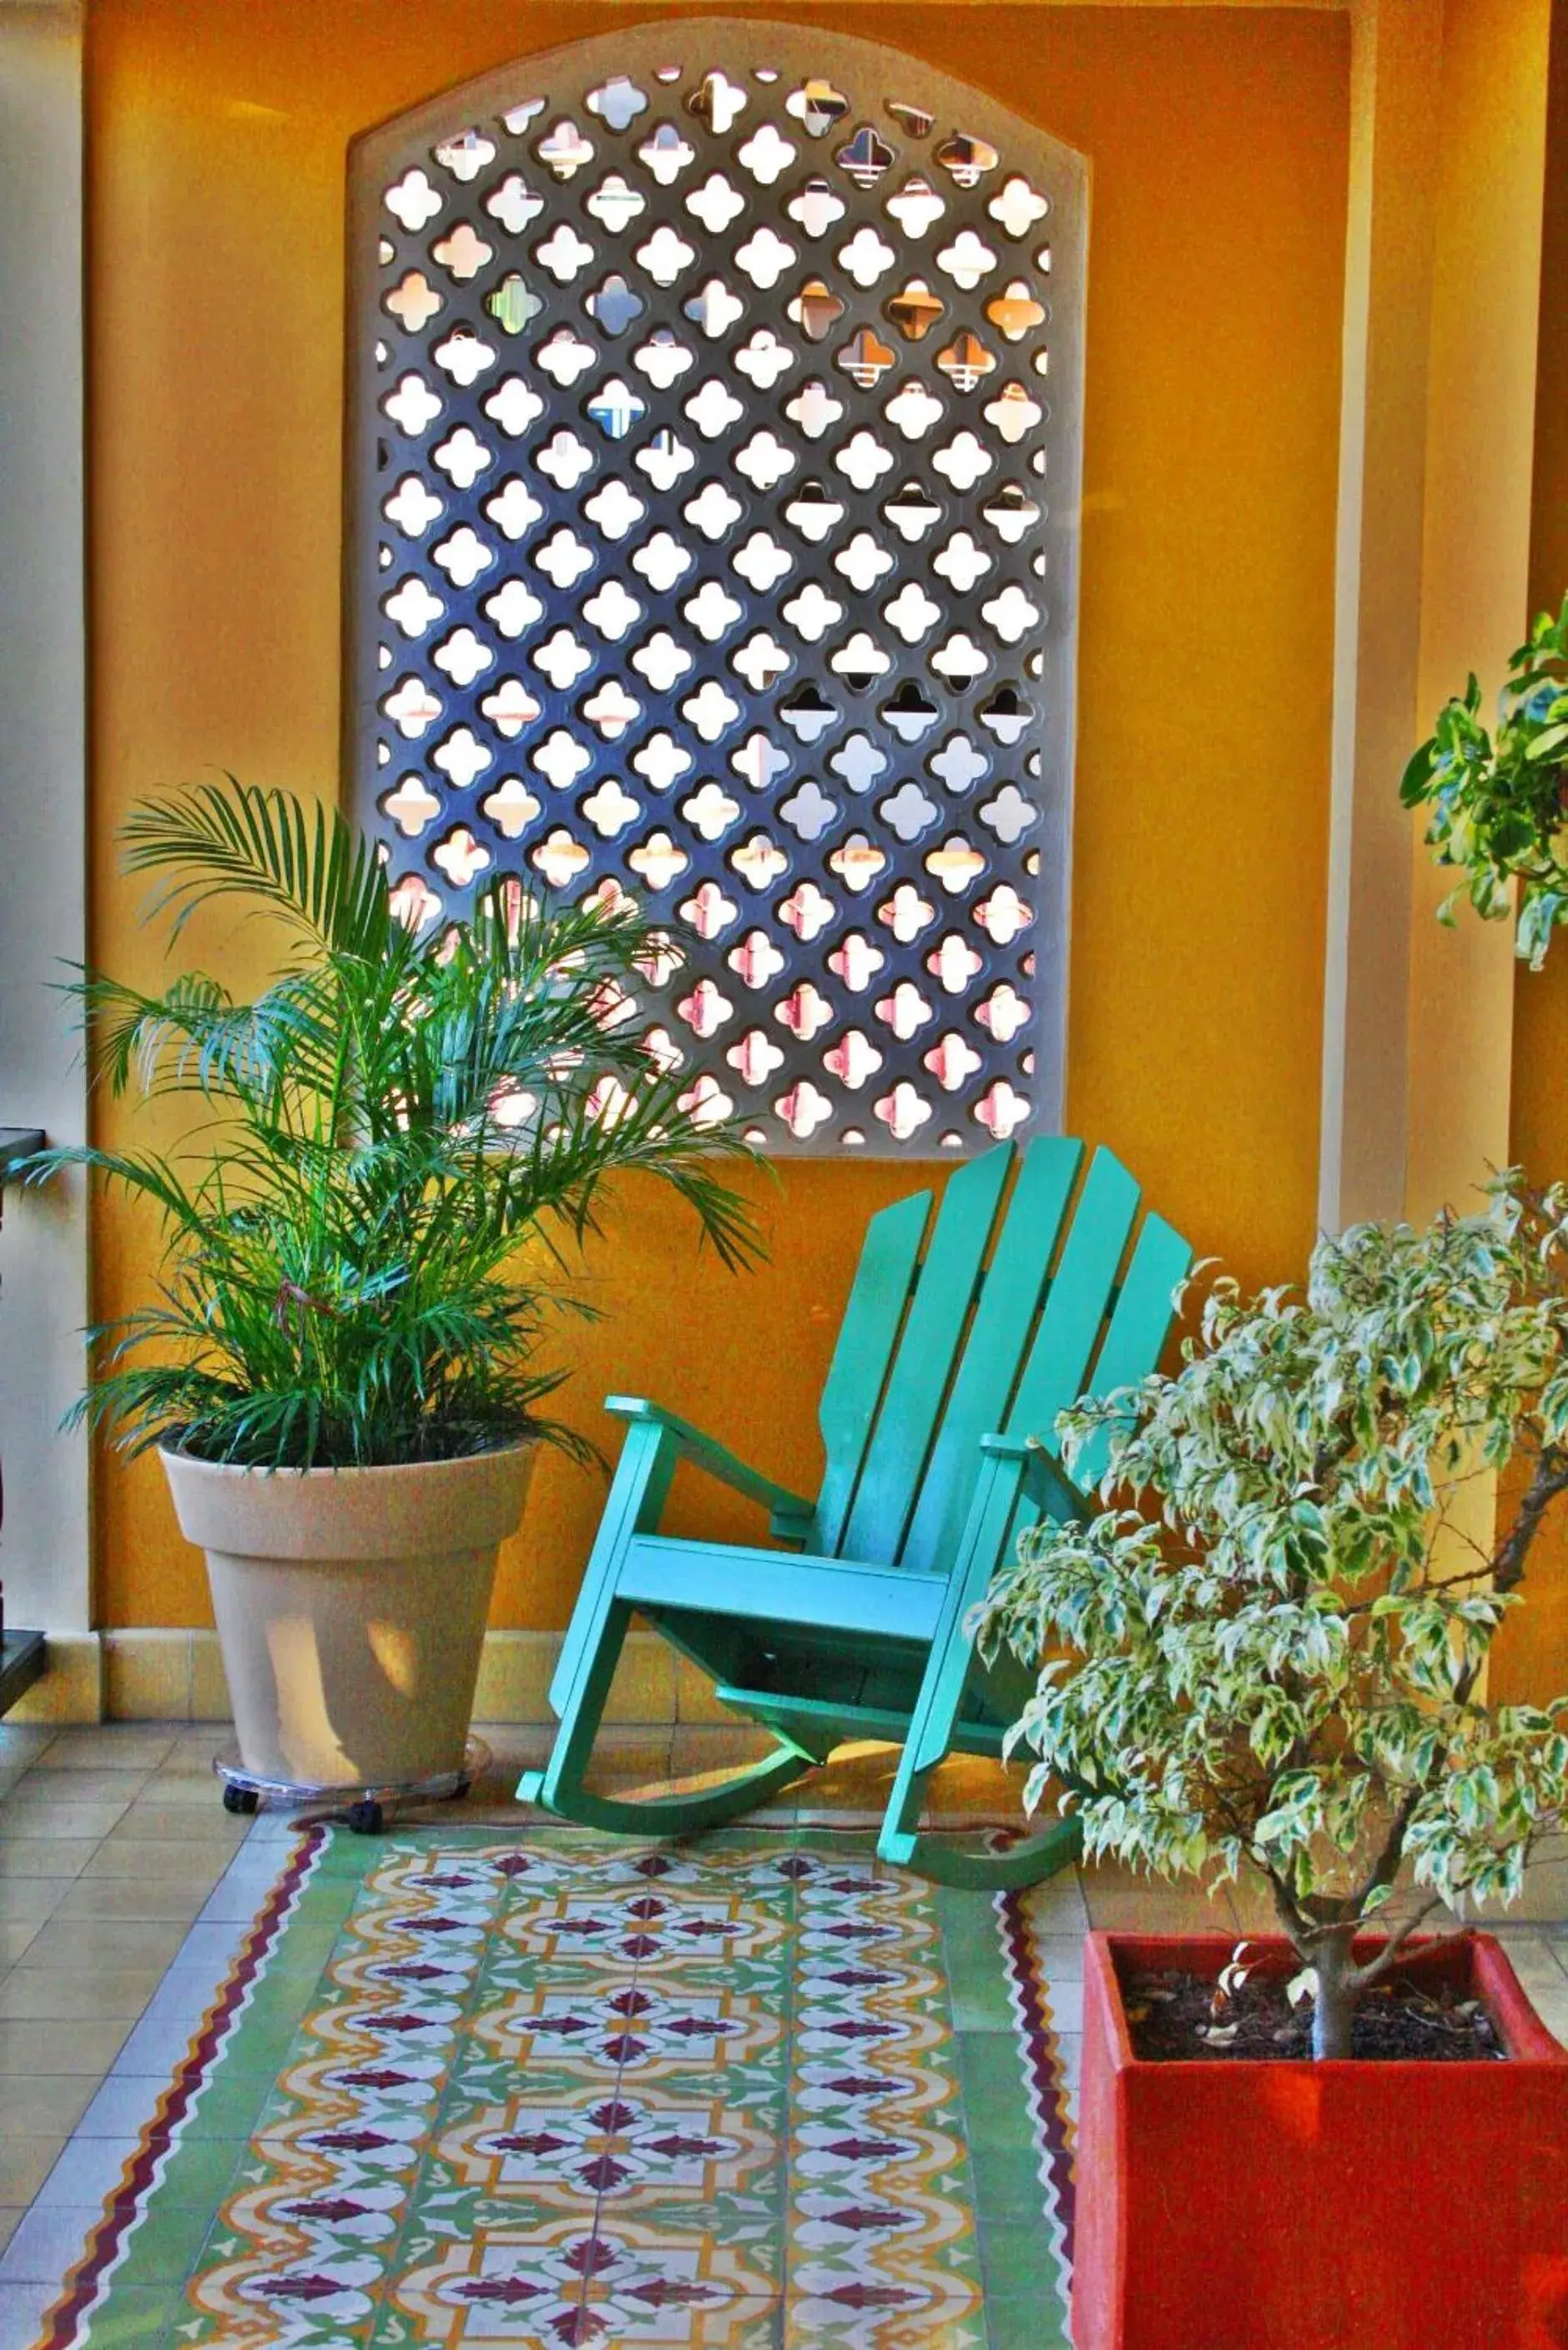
(713,470)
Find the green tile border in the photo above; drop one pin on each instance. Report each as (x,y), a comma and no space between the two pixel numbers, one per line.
(1024,2308)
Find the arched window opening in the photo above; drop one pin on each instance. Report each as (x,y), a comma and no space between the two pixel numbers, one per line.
(714,396)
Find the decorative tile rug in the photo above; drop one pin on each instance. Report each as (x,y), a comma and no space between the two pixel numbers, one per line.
(560,2091)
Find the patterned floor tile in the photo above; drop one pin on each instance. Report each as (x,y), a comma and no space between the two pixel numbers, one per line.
(552,2090)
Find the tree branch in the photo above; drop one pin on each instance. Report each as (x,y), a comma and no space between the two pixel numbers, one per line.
(1363,1978)
(1551,1479)
(1385,1868)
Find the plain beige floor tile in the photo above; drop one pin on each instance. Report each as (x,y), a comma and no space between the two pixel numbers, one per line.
(137,1856)
(46,2104)
(24,2163)
(24,1901)
(152,1895)
(515,1674)
(191,1787)
(43,1787)
(1537,1963)
(975,1785)
(108,1746)
(1060,1958)
(45,2048)
(9,2215)
(108,1942)
(170,1823)
(634,1737)
(1056,1909)
(194,1747)
(22,1742)
(60,1994)
(65,1857)
(1116,1909)
(16,1939)
(23,1819)
(181,1763)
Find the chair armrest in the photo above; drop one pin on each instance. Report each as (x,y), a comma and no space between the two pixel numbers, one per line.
(1042,1470)
(790,1512)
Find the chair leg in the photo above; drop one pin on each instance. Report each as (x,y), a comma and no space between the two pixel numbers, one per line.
(636,1499)
(982,1868)
(559,1787)
(902,1840)
(942,1857)
(670,1815)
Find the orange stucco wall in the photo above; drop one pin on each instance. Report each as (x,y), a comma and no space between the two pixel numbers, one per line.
(1217,145)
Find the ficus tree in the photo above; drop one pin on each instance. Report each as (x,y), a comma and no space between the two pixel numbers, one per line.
(1266,1649)
(1497,804)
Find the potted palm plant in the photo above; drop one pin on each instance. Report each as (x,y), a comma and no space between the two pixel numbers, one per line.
(363,1233)
(1264,1659)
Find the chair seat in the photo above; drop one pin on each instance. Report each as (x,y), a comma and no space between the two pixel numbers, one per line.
(783,1587)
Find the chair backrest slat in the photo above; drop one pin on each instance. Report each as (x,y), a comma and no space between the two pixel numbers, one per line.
(1059,1358)
(1137,1328)
(921,1373)
(1009,1301)
(866,1337)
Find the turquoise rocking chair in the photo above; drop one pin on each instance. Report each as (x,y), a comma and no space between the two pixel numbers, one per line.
(948,1364)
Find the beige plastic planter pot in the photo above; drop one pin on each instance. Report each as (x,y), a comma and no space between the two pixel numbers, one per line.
(351,1606)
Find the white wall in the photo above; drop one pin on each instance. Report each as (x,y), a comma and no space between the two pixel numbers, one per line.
(44,1551)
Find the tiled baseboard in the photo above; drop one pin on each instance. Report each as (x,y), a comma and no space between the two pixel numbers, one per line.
(175,1674)
(72,1687)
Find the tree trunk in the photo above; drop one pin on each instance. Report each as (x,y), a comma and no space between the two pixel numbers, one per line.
(1334,2009)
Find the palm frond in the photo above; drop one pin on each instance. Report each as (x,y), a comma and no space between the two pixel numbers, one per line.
(303,862)
(363,1256)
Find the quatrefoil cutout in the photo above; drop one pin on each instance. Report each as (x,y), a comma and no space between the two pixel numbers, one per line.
(767,154)
(413,301)
(967,159)
(716,202)
(815,309)
(817,106)
(565,151)
(817,208)
(866,157)
(513,204)
(717,101)
(614,305)
(666,154)
(615,202)
(618,102)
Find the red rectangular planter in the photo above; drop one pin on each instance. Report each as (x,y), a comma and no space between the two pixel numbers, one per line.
(1335,2206)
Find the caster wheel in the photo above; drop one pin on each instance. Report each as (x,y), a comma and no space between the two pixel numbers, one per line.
(241,1800)
(366,1819)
